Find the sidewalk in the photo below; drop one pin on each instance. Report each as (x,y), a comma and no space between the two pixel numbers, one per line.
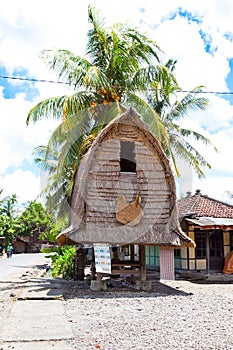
(37,319)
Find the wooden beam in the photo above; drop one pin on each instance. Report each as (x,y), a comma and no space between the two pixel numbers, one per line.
(142,255)
(132,253)
(208,253)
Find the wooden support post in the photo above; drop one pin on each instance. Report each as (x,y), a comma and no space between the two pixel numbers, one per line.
(93,269)
(167,266)
(116,253)
(132,252)
(79,264)
(142,253)
(132,258)
(207,253)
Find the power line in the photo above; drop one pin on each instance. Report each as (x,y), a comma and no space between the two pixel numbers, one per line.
(65,83)
(34,80)
(210,92)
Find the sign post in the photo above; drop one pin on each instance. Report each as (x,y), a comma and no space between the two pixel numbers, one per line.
(102,258)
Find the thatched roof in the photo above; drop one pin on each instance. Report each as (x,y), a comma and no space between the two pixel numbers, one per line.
(165,229)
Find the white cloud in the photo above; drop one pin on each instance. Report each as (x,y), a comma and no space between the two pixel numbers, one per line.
(217,116)
(24,184)
(214,187)
(17,141)
(182,40)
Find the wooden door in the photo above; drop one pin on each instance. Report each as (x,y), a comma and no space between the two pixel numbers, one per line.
(231,240)
(216,251)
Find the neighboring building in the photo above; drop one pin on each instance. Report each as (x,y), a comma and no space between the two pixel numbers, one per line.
(125,193)
(209,222)
(21,244)
(27,244)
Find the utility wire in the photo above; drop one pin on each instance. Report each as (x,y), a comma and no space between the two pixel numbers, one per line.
(65,83)
(210,92)
(34,80)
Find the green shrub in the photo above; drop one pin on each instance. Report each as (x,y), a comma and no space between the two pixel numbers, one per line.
(63,262)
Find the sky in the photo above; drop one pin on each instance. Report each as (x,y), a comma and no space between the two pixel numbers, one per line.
(198,34)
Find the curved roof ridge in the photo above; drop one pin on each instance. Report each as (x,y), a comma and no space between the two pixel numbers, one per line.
(196,201)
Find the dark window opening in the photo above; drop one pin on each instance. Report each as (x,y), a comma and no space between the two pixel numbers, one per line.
(127,157)
(200,240)
(177,253)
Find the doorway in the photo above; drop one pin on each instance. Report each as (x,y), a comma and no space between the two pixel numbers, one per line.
(231,240)
(216,251)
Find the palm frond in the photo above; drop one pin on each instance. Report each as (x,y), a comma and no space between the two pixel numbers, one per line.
(184,149)
(95,78)
(144,78)
(43,161)
(144,48)
(74,104)
(150,117)
(190,102)
(68,66)
(98,39)
(50,108)
(197,136)
(107,113)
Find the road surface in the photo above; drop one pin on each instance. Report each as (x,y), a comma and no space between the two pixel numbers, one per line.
(18,264)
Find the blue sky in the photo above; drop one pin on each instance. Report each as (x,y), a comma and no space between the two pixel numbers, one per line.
(12,87)
(199,34)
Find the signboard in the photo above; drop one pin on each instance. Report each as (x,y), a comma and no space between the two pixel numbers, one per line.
(102,258)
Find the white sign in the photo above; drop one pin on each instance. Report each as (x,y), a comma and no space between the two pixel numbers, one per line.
(102,258)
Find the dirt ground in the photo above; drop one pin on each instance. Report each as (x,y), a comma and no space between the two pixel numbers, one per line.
(98,319)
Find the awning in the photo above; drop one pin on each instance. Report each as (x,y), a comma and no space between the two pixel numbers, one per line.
(210,222)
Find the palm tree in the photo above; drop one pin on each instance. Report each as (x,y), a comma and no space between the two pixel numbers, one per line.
(121,64)
(7,217)
(163,97)
(114,58)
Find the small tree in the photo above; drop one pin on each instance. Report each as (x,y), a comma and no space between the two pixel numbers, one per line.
(8,214)
(34,221)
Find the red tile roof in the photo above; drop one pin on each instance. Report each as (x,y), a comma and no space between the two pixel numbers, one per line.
(202,205)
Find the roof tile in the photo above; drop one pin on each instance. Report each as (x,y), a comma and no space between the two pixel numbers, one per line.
(202,205)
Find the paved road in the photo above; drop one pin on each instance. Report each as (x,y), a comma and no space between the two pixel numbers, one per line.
(18,264)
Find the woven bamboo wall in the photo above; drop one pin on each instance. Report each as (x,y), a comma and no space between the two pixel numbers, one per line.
(105,183)
(99,183)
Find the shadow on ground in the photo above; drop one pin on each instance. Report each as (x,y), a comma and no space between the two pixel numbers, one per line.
(46,287)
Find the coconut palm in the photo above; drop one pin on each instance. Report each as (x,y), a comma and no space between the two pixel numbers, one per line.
(163,97)
(113,59)
(120,65)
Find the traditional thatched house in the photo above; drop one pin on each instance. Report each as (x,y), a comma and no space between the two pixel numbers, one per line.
(210,223)
(125,194)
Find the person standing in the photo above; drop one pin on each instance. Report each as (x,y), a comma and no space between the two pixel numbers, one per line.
(9,251)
